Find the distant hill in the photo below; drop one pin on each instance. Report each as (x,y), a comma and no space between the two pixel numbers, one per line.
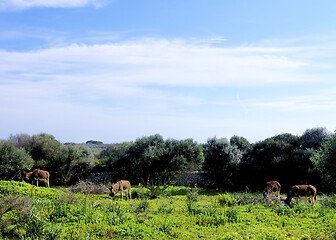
(95,146)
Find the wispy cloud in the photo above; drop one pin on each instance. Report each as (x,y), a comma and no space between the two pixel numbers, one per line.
(154,82)
(135,68)
(161,62)
(324,100)
(26,4)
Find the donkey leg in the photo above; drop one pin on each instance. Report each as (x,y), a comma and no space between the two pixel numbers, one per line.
(127,194)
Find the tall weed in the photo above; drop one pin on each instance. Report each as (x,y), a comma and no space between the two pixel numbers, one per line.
(191,201)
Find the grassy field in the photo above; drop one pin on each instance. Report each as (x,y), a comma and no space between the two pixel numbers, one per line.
(28,212)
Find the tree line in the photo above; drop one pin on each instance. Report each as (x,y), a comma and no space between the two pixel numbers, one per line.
(233,164)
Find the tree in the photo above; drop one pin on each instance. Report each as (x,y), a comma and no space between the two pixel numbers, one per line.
(242,143)
(314,138)
(272,159)
(13,160)
(153,157)
(183,155)
(221,161)
(324,161)
(142,159)
(109,156)
(21,141)
(66,163)
(79,162)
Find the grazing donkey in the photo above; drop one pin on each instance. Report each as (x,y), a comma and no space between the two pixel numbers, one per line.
(122,185)
(272,187)
(37,175)
(302,191)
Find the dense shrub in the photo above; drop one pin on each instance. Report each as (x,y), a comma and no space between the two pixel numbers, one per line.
(13,160)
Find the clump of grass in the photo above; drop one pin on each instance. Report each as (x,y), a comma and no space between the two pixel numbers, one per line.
(283,210)
(115,214)
(35,226)
(211,216)
(226,200)
(232,215)
(166,207)
(141,210)
(167,226)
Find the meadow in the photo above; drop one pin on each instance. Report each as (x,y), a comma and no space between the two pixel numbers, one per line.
(27,212)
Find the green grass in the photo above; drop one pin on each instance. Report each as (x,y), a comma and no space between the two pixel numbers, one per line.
(183,213)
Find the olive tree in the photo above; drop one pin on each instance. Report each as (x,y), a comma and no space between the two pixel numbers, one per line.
(156,158)
(314,138)
(66,163)
(221,161)
(273,159)
(13,160)
(324,161)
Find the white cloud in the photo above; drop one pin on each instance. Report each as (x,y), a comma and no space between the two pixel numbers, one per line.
(146,86)
(26,4)
(162,62)
(141,69)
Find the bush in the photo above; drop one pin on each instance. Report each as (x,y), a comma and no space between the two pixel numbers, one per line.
(89,188)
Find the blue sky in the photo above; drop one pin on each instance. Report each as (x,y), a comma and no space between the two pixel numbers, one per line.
(119,70)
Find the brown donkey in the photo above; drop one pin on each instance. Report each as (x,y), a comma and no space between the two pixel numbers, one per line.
(122,185)
(37,175)
(302,191)
(272,187)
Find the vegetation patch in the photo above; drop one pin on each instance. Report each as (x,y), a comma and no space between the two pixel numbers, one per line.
(61,214)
